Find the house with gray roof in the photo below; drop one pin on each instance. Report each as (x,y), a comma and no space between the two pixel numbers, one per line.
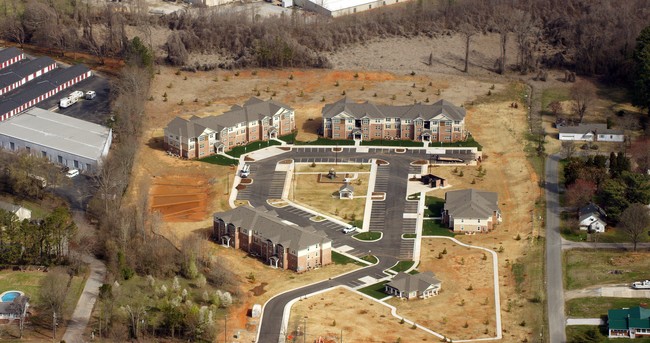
(411,286)
(592,218)
(256,120)
(277,242)
(346,191)
(471,211)
(590,133)
(20,212)
(438,122)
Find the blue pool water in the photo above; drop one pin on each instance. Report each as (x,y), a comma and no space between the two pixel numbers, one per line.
(9,297)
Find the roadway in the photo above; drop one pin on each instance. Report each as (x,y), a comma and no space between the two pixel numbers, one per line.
(554,280)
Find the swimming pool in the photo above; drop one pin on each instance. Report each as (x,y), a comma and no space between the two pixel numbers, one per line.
(9,296)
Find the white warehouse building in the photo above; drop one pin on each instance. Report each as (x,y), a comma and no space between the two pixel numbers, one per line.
(65,140)
(337,8)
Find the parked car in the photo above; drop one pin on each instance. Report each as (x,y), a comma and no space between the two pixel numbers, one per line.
(90,95)
(350,229)
(645,284)
(72,173)
(245,171)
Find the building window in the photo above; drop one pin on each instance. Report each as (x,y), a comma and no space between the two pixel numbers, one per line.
(335,121)
(377,121)
(60,159)
(457,122)
(76,164)
(44,153)
(388,126)
(29,150)
(87,166)
(448,122)
(12,146)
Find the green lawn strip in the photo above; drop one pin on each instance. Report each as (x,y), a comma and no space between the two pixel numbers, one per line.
(358,223)
(585,268)
(597,306)
(382,142)
(326,141)
(38,212)
(584,334)
(368,236)
(240,150)
(290,138)
(435,228)
(370,258)
(220,160)
(376,290)
(342,259)
(434,206)
(27,282)
(402,266)
(409,235)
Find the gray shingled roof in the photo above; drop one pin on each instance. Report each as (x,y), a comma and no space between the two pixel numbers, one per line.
(411,283)
(268,225)
(590,209)
(184,128)
(9,53)
(347,187)
(471,203)
(372,111)
(585,128)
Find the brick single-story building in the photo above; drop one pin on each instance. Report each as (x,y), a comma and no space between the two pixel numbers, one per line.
(279,243)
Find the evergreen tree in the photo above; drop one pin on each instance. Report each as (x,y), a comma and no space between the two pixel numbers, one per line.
(641,87)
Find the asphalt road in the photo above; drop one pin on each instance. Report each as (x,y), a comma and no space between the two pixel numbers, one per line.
(554,280)
(268,184)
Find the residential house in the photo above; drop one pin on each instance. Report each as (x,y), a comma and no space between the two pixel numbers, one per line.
(20,212)
(629,323)
(407,286)
(279,243)
(471,211)
(438,122)
(590,133)
(592,218)
(256,120)
(14,308)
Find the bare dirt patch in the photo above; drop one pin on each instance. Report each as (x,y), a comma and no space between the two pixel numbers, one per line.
(358,318)
(180,198)
(467,295)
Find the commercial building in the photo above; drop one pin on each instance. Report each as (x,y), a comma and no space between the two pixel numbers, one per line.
(21,73)
(64,140)
(471,211)
(335,8)
(256,120)
(279,243)
(10,56)
(438,122)
(411,286)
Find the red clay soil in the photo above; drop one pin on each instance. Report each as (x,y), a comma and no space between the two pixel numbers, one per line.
(180,199)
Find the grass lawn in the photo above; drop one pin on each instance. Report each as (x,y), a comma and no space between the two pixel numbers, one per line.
(414,196)
(598,306)
(370,259)
(550,95)
(434,228)
(402,266)
(326,141)
(220,160)
(609,236)
(583,333)
(584,268)
(434,206)
(323,196)
(368,236)
(240,150)
(342,259)
(409,235)
(376,291)
(382,142)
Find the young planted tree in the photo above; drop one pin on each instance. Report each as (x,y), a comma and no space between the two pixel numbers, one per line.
(634,222)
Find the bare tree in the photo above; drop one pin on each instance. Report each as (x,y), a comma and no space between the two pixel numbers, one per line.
(568,148)
(502,21)
(634,222)
(526,36)
(583,95)
(12,29)
(54,289)
(467,30)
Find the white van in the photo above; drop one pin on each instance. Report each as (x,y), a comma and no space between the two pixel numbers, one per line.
(72,173)
(245,171)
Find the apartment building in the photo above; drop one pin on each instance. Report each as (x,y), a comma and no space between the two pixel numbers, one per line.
(276,242)
(438,122)
(256,120)
(471,211)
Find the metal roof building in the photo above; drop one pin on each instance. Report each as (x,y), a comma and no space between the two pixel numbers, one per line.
(337,8)
(10,56)
(21,73)
(64,140)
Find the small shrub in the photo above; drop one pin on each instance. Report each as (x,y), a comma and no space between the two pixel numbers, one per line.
(164,99)
(363,88)
(185,78)
(151,98)
(313,164)
(413,85)
(178,72)
(489,92)
(322,99)
(290,78)
(430,84)
(169,85)
(440,256)
(343,93)
(274,93)
(486,331)
(286,83)
(237,73)
(334,322)
(374,95)
(523,323)
(356,75)
(438,91)
(461,174)
(469,288)
(486,321)
(518,238)
(165,95)
(426,100)
(413,327)
(412,73)
(466,325)
(401,321)
(501,249)
(409,93)
(196,99)
(393,97)
(462,302)
(258,93)
(181,103)
(473,181)
(444,251)
(226,78)
(492,87)
(423,89)
(484,258)
(301,94)
(254,72)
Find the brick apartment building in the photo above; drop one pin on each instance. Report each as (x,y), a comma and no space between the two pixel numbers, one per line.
(276,242)
(256,120)
(471,211)
(438,122)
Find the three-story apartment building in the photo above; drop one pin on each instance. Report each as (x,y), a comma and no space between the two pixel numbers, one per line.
(256,120)
(438,122)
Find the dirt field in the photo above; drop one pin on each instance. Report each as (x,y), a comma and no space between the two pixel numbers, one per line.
(180,198)
(357,318)
(456,305)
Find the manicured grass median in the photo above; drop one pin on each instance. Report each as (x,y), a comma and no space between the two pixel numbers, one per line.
(326,141)
(220,160)
(435,228)
(370,259)
(402,266)
(368,236)
(598,306)
(376,291)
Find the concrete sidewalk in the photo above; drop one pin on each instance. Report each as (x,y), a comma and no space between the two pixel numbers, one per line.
(585,321)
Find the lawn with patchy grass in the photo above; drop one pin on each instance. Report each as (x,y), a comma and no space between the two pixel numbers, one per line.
(323,196)
(584,268)
(435,228)
(434,206)
(342,259)
(598,306)
(376,290)
(402,266)
(368,236)
(583,333)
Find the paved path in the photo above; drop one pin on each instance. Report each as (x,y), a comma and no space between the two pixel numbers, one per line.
(81,315)
(612,291)
(566,245)
(554,285)
(585,321)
